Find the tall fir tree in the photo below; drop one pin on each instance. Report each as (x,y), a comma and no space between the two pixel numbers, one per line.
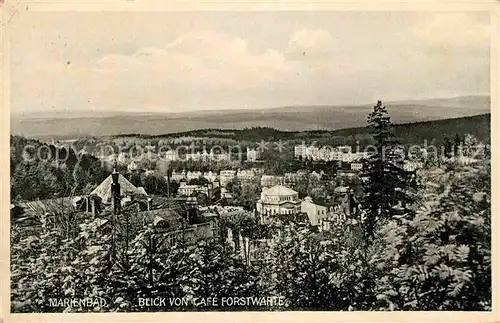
(448,147)
(458,144)
(386,180)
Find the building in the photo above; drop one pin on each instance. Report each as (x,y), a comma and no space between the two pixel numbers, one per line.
(205,156)
(220,157)
(343,173)
(316,175)
(278,200)
(271,180)
(246,174)
(313,153)
(252,155)
(122,158)
(226,176)
(225,194)
(314,212)
(178,176)
(356,166)
(193,175)
(194,156)
(294,177)
(171,155)
(128,190)
(300,151)
(210,176)
(411,166)
(188,190)
(132,166)
(340,153)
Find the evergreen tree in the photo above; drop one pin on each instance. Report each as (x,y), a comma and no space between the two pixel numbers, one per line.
(386,182)
(458,143)
(448,147)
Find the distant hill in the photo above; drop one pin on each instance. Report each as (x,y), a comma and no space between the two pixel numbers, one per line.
(409,133)
(296,118)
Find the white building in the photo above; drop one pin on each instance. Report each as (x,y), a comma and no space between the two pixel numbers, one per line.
(171,155)
(188,190)
(246,174)
(132,166)
(193,175)
(314,212)
(128,190)
(178,176)
(252,155)
(226,176)
(356,166)
(278,200)
(220,157)
(340,153)
(300,151)
(193,156)
(411,166)
(122,158)
(313,153)
(294,177)
(211,176)
(225,194)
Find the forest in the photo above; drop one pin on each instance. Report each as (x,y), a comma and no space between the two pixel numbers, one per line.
(408,133)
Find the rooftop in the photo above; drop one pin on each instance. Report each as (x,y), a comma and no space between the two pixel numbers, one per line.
(104,189)
(279,190)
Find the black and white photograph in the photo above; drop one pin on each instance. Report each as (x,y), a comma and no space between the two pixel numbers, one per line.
(250,160)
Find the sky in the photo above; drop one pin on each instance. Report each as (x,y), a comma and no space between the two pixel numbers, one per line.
(182,61)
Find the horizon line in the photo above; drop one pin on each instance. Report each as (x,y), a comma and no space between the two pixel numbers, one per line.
(117,112)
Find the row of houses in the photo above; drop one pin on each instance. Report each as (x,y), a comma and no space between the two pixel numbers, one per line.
(224,177)
(252,155)
(339,153)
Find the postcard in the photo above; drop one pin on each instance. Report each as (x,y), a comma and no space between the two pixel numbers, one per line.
(249,162)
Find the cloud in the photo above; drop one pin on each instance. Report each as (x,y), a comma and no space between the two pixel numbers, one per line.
(175,66)
(203,58)
(455,31)
(311,41)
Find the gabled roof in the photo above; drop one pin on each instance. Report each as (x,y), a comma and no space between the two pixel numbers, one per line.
(104,189)
(142,191)
(168,216)
(54,206)
(279,190)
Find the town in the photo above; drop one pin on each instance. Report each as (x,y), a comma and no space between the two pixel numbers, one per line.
(237,208)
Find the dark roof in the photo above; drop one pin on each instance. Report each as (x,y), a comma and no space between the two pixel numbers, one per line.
(51,206)
(168,217)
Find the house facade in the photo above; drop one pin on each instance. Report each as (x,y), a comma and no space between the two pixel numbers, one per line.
(278,200)
(315,212)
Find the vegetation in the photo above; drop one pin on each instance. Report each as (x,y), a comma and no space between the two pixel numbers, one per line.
(386,184)
(437,259)
(40,173)
(419,241)
(244,194)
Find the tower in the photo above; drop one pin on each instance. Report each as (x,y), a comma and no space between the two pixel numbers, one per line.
(115,190)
